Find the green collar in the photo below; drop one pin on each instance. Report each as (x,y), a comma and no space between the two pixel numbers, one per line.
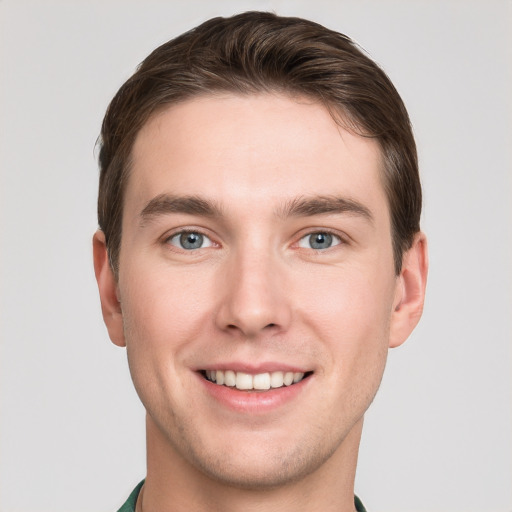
(129,506)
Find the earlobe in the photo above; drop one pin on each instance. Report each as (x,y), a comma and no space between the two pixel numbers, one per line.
(109,293)
(410,291)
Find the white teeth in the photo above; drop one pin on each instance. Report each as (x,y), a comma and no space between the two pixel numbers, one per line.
(276,380)
(243,381)
(260,381)
(229,378)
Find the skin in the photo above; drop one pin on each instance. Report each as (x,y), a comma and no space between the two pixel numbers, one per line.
(256,293)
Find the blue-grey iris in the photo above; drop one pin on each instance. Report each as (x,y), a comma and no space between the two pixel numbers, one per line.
(320,240)
(191,240)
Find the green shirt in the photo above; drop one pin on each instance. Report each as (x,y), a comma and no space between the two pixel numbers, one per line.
(129,506)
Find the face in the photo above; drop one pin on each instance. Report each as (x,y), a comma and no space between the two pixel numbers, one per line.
(256,285)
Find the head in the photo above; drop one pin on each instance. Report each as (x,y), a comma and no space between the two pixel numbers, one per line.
(259,206)
(255,53)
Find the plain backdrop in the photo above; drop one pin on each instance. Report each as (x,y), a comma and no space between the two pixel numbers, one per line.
(438,437)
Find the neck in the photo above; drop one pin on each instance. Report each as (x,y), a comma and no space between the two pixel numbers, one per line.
(175,484)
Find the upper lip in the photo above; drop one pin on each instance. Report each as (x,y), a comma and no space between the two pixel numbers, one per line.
(254,369)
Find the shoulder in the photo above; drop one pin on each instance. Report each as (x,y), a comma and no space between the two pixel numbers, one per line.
(129,505)
(359,505)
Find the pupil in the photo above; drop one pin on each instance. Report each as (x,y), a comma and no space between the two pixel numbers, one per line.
(191,240)
(321,240)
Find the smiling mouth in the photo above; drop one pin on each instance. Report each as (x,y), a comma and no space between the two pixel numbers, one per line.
(259,382)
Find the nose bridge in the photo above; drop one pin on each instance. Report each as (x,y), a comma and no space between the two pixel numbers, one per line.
(254,298)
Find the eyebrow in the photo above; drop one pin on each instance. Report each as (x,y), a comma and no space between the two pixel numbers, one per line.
(318,205)
(165,204)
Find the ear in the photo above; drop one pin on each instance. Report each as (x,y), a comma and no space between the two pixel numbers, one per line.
(410,291)
(109,293)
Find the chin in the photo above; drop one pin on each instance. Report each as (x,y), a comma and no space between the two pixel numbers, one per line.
(254,461)
(259,473)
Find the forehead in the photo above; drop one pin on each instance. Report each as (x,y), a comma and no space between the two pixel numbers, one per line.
(259,148)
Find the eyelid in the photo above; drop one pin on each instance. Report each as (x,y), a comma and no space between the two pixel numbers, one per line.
(166,239)
(342,238)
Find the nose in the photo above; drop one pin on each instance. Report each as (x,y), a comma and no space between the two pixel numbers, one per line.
(253,295)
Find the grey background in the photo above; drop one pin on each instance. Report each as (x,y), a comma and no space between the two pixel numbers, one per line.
(438,437)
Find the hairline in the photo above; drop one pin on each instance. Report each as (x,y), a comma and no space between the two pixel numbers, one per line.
(340,116)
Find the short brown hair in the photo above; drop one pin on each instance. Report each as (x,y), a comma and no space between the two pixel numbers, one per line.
(262,52)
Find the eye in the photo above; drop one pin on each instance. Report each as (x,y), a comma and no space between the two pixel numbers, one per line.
(319,240)
(190,240)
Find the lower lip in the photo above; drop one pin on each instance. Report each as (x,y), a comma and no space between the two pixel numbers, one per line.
(254,402)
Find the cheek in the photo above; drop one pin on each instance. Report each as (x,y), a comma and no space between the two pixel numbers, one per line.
(163,314)
(346,300)
(349,316)
(157,303)
(350,313)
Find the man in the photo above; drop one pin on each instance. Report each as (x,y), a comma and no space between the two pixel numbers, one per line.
(259,250)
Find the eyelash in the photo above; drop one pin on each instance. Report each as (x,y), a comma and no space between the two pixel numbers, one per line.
(185,232)
(340,240)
